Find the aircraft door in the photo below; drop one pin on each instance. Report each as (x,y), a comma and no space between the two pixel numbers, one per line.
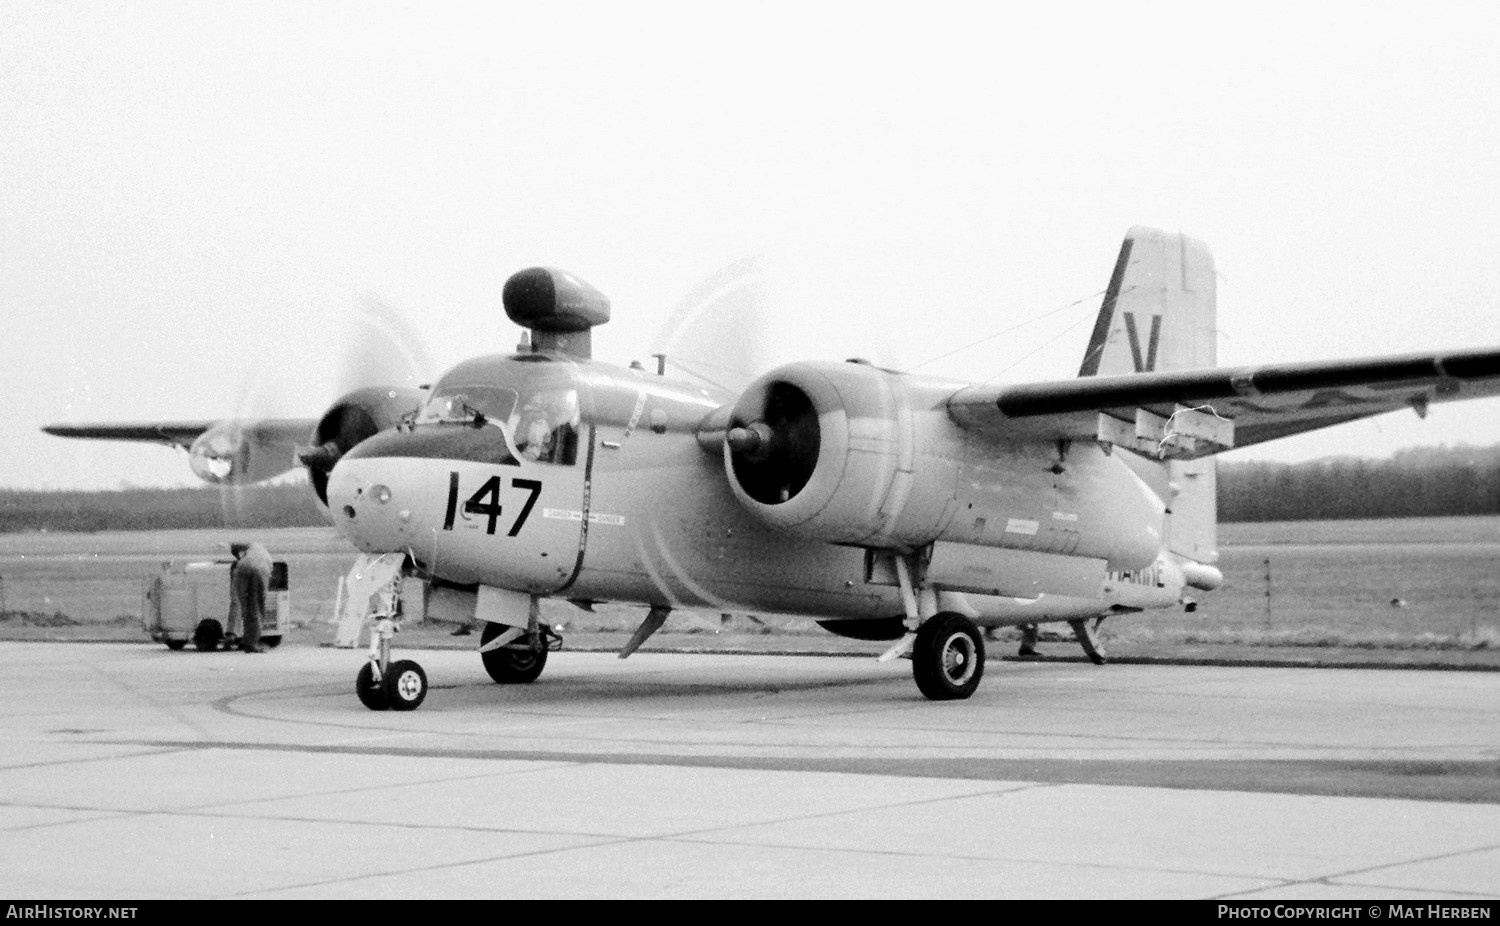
(521,522)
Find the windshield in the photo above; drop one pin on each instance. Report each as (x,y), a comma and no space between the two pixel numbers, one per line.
(535,404)
(470,403)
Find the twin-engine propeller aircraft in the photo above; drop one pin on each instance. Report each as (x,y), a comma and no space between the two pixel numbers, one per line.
(890,506)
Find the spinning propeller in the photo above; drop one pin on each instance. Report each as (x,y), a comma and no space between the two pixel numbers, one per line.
(382,362)
(380,376)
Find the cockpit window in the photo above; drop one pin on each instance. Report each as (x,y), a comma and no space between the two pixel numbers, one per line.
(545,428)
(538,410)
(470,403)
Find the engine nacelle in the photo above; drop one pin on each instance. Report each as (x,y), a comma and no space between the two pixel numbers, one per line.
(240,453)
(849,453)
(829,451)
(350,420)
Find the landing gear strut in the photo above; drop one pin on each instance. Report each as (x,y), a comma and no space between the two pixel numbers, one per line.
(946,648)
(383,684)
(1088,638)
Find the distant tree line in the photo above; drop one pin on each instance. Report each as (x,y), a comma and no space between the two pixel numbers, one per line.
(290,505)
(1419,482)
(1422,481)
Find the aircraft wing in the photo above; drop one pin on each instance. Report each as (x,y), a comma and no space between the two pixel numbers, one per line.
(183,433)
(1183,414)
(172,433)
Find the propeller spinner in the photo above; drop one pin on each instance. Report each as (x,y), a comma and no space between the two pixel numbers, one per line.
(355,417)
(773,444)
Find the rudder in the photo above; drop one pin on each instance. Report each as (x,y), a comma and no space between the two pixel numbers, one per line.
(1160,313)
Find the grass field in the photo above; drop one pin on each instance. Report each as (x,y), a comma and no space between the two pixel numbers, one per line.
(1423,582)
(1331,589)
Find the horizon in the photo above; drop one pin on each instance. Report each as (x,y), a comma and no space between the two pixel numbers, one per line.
(297,478)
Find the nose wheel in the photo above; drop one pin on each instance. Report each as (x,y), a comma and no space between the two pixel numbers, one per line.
(405,685)
(370,688)
(384,684)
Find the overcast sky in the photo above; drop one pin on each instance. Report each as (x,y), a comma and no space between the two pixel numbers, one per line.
(194,197)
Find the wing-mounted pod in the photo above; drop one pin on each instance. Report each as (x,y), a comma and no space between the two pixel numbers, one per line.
(559,308)
(353,418)
(830,451)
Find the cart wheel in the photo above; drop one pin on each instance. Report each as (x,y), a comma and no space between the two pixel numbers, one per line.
(371,694)
(175,645)
(272,642)
(405,685)
(208,635)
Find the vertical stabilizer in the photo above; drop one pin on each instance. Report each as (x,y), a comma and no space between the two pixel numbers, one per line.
(1159,313)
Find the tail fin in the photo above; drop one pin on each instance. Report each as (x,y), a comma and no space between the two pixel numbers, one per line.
(1159,313)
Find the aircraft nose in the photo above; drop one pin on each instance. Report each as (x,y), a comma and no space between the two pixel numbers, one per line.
(367,507)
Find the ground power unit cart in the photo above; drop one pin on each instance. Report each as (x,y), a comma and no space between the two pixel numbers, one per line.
(189,603)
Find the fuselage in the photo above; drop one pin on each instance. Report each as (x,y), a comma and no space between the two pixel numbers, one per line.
(554,476)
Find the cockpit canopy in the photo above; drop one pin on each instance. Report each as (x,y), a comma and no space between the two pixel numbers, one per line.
(532,399)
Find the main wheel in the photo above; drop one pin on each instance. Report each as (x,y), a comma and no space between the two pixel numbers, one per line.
(175,645)
(208,635)
(948,657)
(371,693)
(405,685)
(510,666)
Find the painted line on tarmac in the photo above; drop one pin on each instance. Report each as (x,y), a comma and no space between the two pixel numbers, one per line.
(1455,781)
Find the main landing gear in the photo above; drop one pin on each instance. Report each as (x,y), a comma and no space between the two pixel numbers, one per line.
(519,656)
(947,657)
(946,648)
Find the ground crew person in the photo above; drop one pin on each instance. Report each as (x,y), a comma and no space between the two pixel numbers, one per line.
(1029,636)
(248,580)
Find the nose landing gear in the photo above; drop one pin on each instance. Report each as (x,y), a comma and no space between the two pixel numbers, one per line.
(383,684)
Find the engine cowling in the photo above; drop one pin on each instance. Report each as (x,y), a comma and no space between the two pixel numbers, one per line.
(853,454)
(353,418)
(829,451)
(240,453)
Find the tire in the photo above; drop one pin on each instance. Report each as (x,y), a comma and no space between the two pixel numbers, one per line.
(208,635)
(405,685)
(175,645)
(948,658)
(371,695)
(271,642)
(510,666)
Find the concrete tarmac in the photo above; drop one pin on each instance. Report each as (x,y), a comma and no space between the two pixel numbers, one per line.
(128,771)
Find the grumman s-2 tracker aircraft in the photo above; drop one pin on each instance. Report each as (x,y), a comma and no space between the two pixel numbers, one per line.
(890,506)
